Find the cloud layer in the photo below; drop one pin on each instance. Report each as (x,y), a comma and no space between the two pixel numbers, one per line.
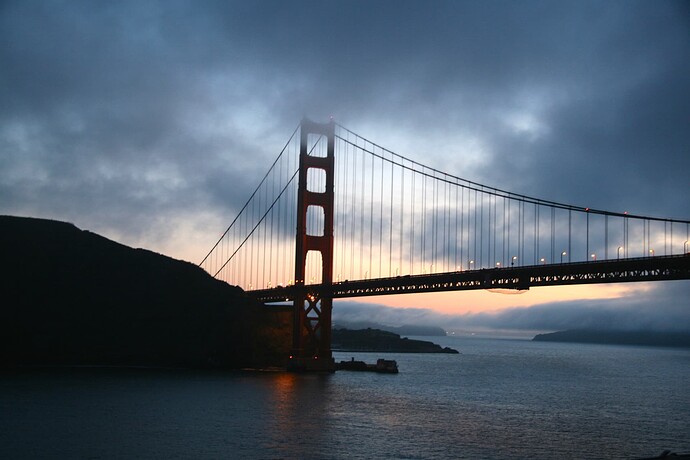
(151,122)
(663,309)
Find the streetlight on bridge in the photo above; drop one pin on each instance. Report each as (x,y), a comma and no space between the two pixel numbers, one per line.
(512,261)
(563,254)
(651,253)
(594,257)
(543,261)
(470,264)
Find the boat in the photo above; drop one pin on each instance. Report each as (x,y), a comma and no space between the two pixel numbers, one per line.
(387,366)
(383,366)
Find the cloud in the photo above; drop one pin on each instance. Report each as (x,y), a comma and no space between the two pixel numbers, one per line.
(662,308)
(122,117)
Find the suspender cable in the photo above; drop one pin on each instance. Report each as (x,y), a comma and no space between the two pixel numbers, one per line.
(352,214)
(423,234)
(570,226)
(381,224)
(362,233)
(371,218)
(252,195)
(412,236)
(455,239)
(390,242)
(402,218)
(606,237)
(462,224)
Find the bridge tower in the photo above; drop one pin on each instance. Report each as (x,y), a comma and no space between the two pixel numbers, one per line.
(311,338)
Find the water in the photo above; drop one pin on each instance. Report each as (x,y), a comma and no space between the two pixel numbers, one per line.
(498,399)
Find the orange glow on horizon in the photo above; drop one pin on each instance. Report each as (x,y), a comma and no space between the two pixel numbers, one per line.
(481,301)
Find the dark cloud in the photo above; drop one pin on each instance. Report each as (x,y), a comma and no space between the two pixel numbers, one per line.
(130,114)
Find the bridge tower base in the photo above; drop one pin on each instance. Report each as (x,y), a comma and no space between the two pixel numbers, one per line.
(311,338)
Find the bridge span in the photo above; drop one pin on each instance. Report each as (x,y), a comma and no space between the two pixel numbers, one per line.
(339,216)
(658,268)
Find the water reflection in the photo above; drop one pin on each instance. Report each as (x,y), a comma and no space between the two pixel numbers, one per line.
(300,426)
(499,399)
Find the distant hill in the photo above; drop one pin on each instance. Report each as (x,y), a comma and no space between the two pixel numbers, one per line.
(649,338)
(73,297)
(405,330)
(376,340)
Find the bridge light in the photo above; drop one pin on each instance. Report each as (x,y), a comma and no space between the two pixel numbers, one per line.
(562,255)
(498,264)
(593,256)
(470,264)
(619,251)
(651,252)
(543,261)
(512,261)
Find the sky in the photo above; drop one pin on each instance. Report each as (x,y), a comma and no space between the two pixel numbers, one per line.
(151,122)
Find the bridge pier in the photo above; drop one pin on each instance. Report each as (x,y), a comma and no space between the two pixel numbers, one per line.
(311,350)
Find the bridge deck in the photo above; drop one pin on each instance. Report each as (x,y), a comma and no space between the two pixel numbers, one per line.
(658,268)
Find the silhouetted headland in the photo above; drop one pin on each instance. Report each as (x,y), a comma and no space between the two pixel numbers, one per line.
(405,330)
(646,338)
(71,297)
(375,340)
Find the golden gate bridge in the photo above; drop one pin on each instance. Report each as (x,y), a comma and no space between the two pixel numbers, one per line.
(338,215)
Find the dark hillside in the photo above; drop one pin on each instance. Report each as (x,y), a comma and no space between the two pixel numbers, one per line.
(73,297)
(382,341)
(645,338)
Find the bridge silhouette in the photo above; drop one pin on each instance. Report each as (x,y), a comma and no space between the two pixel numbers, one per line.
(338,216)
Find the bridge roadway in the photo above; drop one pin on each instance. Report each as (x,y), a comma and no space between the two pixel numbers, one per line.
(657,268)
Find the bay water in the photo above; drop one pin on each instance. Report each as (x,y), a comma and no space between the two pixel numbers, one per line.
(497,399)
